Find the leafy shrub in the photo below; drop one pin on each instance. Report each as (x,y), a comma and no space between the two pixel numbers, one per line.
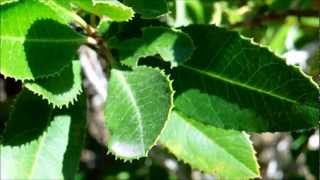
(195,89)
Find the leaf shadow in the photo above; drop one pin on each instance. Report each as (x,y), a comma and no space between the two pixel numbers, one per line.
(146,45)
(76,137)
(58,84)
(226,97)
(26,123)
(24,134)
(235,107)
(49,46)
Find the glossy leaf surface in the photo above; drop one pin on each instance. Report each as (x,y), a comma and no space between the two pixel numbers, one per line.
(234,84)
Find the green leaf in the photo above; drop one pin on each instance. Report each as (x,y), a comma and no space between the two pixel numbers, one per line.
(29,150)
(172,45)
(227,154)
(62,89)
(148,9)
(138,105)
(234,84)
(28,119)
(113,9)
(103,26)
(41,44)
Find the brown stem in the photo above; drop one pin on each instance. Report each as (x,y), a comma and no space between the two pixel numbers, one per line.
(97,128)
(102,49)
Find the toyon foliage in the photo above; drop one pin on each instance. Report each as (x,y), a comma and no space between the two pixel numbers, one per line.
(196,90)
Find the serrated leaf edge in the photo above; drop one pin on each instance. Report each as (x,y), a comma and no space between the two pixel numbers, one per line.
(268,48)
(119,5)
(12,109)
(56,105)
(247,136)
(167,77)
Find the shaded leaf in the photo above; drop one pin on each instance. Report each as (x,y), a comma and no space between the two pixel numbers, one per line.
(148,9)
(62,89)
(138,105)
(231,83)
(41,44)
(227,154)
(172,45)
(37,152)
(28,119)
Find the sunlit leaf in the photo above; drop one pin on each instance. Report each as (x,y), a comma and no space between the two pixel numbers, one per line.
(234,84)
(137,108)
(31,150)
(227,154)
(41,44)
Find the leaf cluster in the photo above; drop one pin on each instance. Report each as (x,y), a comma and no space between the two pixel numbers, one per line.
(196,90)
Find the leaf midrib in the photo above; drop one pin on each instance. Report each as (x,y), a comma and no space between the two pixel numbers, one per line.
(239,84)
(211,140)
(131,96)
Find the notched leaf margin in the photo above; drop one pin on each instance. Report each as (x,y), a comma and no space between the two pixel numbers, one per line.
(170,83)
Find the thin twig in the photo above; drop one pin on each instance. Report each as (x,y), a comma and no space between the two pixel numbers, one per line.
(276,16)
